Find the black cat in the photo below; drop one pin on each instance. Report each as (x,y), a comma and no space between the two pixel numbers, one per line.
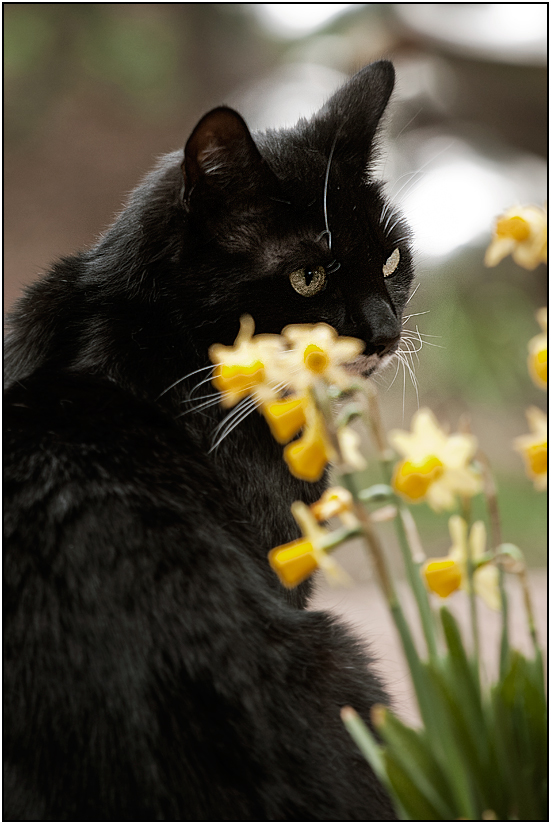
(155,668)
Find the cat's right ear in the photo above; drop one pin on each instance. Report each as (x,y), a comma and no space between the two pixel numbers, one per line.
(220,144)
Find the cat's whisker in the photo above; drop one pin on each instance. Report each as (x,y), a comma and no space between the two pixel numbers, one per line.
(401,239)
(212,402)
(411,349)
(394,224)
(414,315)
(201,383)
(406,365)
(395,374)
(244,411)
(410,176)
(238,414)
(203,397)
(420,336)
(413,175)
(326,184)
(249,401)
(412,339)
(413,293)
(412,375)
(190,375)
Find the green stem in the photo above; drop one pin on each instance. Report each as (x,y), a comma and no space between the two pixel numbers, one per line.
(375,549)
(490,494)
(412,569)
(473,608)
(339,536)
(530,612)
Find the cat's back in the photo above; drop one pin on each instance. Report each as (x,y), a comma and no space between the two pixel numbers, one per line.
(152,669)
(118,557)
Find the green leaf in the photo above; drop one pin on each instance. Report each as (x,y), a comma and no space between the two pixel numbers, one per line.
(410,750)
(519,715)
(406,790)
(444,730)
(366,742)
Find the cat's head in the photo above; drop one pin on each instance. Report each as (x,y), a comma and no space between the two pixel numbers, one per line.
(287,226)
(290,226)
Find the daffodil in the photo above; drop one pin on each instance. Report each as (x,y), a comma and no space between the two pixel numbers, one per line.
(297,560)
(349,445)
(308,456)
(521,232)
(335,501)
(445,575)
(436,466)
(533,447)
(537,352)
(316,351)
(247,367)
(286,417)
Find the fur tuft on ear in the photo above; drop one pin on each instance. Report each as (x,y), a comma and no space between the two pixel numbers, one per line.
(220,138)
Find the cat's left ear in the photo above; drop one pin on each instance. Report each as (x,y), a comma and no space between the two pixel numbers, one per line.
(220,145)
(351,116)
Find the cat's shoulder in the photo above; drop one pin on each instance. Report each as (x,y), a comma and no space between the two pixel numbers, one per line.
(67,429)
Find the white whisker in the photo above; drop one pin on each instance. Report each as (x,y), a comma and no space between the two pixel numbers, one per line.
(190,375)
(212,402)
(326,184)
(201,383)
(244,410)
(238,408)
(395,374)
(214,394)
(413,293)
(414,315)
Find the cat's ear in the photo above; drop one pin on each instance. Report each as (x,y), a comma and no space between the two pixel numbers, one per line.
(351,116)
(219,146)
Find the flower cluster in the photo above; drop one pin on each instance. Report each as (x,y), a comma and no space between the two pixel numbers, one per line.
(522,232)
(533,447)
(280,372)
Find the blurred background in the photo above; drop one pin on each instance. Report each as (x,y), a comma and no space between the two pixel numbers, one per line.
(94,92)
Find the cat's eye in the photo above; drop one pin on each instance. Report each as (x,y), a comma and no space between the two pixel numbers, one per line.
(392,264)
(308,282)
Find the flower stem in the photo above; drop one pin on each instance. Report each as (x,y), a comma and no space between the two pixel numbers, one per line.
(529,612)
(403,527)
(376,552)
(473,607)
(490,494)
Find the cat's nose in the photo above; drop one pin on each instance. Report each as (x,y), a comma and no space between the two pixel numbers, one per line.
(377,324)
(383,346)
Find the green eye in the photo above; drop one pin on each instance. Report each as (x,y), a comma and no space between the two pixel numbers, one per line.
(308,282)
(392,264)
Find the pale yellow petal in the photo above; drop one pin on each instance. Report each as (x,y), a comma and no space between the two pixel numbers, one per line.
(440,497)
(459,450)
(458,533)
(497,250)
(477,540)
(486,585)
(349,443)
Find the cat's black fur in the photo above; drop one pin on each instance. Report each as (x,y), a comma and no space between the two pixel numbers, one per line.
(154,666)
